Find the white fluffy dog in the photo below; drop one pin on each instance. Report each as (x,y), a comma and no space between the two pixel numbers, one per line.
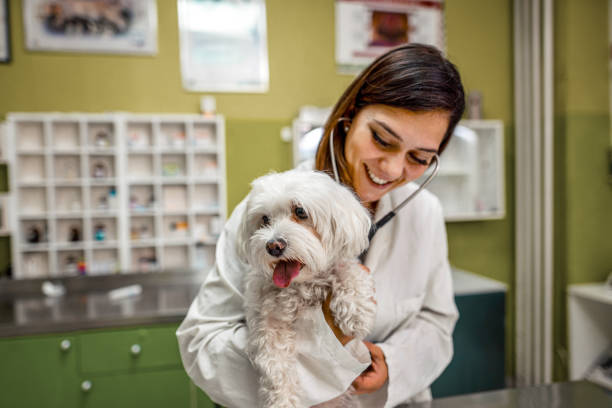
(301,236)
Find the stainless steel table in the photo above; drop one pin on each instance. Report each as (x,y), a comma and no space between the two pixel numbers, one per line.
(165,298)
(580,394)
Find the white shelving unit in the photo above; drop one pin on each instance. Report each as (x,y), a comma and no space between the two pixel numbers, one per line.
(589,326)
(470,183)
(103,193)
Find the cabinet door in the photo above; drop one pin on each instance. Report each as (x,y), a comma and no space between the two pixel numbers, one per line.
(164,388)
(38,372)
(119,350)
(479,357)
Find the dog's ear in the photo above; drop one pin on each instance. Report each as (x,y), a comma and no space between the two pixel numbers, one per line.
(242,236)
(350,224)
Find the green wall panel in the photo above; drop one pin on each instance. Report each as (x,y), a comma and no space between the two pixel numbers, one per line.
(583,196)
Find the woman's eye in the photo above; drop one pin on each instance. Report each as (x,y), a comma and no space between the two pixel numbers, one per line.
(418,160)
(265,220)
(300,213)
(380,140)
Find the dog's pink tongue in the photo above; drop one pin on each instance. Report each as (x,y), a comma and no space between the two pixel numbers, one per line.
(284,272)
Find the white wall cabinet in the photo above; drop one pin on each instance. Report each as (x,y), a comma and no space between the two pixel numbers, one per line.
(470,182)
(102,193)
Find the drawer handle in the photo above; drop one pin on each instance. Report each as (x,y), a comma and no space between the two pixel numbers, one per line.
(86,385)
(65,345)
(135,349)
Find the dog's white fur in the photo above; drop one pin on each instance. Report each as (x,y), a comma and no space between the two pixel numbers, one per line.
(327,243)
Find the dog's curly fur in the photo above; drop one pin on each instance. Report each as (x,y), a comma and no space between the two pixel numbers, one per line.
(301,218)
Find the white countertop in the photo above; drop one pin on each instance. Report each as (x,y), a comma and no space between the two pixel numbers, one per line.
(468,283)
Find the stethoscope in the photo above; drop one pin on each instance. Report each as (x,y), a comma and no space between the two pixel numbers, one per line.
(384,220)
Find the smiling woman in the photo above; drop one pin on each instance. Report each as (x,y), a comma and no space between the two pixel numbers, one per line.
(391,123)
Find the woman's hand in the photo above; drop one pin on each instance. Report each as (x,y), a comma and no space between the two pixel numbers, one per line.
(376,375)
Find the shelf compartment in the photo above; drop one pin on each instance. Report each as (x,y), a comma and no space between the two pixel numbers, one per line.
(65,136)
(205,197)
(175,227)
(204,135)
(140,165)
(142,198)
(101,135)
(173,165)
(172,135)
(68,199)
(205,166)
(101,167)
(35,265)
(207,228)
(70,262)
(139,135)
(176,256)
(31,168)
(144,259)
(33,200)
(174,197)
(67,167)
(69,231)
(103,262)
(30,136)
(142,228)
(103,198)
(34,231)
(104,231)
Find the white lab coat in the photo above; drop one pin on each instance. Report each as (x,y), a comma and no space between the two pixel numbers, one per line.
(414,322)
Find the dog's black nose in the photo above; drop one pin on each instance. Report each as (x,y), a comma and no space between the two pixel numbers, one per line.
(276,247)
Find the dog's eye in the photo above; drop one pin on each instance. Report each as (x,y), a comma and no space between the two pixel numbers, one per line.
(300,213)
(265,220)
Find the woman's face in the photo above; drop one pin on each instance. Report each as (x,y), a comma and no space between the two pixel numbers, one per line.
(387,147)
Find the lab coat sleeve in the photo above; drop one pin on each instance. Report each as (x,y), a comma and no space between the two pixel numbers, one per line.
(421,347)
(213,337)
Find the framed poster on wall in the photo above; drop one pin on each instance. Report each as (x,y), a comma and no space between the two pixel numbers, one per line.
(224,45)
(94,26)
(366,29)
(5,47)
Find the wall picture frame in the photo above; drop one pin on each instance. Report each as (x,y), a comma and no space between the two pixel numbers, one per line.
(94,26)
(224,46)
(5,33)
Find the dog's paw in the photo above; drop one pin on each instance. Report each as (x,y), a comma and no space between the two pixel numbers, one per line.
(353,305)
(355,319)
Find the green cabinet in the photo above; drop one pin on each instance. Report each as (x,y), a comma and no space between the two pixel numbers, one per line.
(39,372)
(166,388)
(99,368)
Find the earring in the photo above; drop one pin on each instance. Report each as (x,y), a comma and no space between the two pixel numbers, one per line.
(346,128)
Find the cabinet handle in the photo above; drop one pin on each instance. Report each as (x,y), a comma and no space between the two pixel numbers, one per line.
(86,385)
(135,349)
(65,345)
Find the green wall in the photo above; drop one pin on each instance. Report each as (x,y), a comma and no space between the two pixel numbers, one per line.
(583,196)
(302,71)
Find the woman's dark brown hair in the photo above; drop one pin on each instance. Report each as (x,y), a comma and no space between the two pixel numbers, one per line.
(415,77)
